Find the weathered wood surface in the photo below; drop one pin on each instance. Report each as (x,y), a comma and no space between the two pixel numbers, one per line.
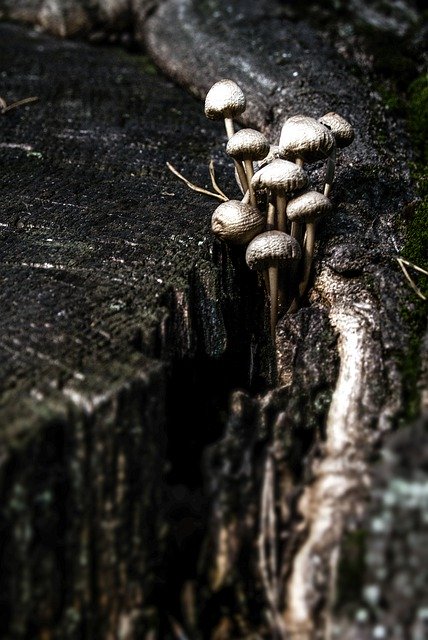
(107,277)
(114,290)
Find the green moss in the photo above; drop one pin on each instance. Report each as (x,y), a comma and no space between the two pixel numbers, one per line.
(145,64)
(412,105)
(416,246)
(393,102)
(141,60)
(418,120)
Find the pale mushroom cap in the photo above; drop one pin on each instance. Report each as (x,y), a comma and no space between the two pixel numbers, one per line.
(225,99)
(280,176)
(237,222)
(308,207)
(341,129)
(306,138)
(248,144)
(272,248)
(273,154)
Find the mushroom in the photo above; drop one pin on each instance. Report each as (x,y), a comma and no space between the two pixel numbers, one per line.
(236,222)
(268,251)
(343,134)
(304,139)
(226,100)
(247,145)
(341,129)
(273,154)
(307,209)
(281,178)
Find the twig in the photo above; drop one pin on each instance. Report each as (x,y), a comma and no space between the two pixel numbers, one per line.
(223,198)
(214,181)
(402,262)
(19,103)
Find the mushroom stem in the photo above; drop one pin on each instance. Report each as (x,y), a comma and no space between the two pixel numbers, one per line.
(270,226)
(242,176)
(230,131)
(308,254)
(266,280)
(295,230)
(281,204)
(270,251)
(246,197)
(249,171)
(270,220)
(293,306)
(329,174)
(273,286)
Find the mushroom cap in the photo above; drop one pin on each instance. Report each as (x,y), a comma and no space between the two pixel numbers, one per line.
(272,248)
(248,144)
(341,129)
(237,222)
(306,138)
(308,207)
(273,154)
(225,99)
(281,176)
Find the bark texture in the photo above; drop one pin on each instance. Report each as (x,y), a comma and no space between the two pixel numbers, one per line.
(124,320)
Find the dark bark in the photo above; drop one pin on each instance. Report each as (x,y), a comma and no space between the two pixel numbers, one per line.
(109,277)
(128,329)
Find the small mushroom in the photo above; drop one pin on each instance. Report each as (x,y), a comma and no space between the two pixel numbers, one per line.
(343,134)
(269,251)
(304,139)
(281,178)
(248,145)
(273,154)
(236,222)
(226,100)
(341,129)
(307,209)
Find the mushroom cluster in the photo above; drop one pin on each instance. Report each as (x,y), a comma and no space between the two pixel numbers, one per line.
(277,215)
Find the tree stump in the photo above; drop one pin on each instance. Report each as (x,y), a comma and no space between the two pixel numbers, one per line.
(166,469)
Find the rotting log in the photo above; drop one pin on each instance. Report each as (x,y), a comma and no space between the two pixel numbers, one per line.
(293,469)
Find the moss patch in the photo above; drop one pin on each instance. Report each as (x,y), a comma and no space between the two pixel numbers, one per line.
(418,123)
(141,60)
(416,247)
